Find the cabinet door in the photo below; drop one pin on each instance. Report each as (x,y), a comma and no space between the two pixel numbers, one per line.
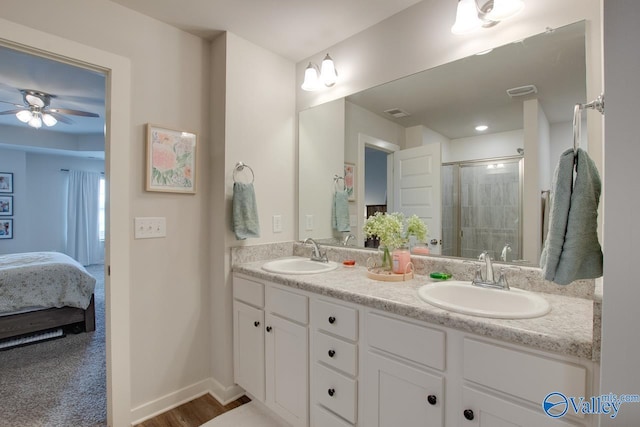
(287,369)
(397,394)
(484,409)
(248,349)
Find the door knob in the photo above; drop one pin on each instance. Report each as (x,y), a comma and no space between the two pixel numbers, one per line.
(468,414)
(331,392)
(332,320)
(332,353)
(432,399)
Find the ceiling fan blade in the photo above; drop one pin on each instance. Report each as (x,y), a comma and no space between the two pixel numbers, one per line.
(11,111)
(13,103)
(73,112)
(60,117)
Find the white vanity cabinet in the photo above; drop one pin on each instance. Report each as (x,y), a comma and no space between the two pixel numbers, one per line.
(404,373)
(271,356)
(334,360)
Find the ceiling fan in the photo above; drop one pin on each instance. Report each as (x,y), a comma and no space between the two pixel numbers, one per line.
(37,111)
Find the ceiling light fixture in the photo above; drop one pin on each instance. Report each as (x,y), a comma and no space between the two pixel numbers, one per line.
(482,128)
(316,78)
(470,16)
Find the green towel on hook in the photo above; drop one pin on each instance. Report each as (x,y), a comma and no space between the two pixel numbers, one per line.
(571,250)
(340,211)
(244,212)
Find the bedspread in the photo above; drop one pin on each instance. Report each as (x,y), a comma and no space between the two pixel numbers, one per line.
(44,279)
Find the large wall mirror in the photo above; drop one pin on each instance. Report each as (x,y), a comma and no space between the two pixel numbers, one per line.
(412,146)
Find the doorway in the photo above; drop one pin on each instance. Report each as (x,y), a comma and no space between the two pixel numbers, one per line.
(117,142)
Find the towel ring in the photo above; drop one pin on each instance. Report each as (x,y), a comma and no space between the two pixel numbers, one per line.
(239,168)
(337,178)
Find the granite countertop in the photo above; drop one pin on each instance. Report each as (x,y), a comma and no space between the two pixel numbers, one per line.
(567,329)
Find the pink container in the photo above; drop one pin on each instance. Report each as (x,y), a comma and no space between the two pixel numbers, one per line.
(400,259)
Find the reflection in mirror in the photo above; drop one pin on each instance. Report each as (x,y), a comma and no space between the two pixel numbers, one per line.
(416,149)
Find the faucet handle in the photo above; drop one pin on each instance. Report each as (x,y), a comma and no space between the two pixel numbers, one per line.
(477,277)
(502,279)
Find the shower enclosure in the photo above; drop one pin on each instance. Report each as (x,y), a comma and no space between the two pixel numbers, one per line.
(482,208)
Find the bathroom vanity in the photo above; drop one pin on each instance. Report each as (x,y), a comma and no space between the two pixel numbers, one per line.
(339,349)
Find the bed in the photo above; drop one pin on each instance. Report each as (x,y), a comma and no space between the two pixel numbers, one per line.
(44,290)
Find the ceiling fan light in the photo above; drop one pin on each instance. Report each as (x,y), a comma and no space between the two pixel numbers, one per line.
(466,17)
(34,100)
(504,9)
(49,120)
(311,79)
(36,121)
(328,73)
(24,116)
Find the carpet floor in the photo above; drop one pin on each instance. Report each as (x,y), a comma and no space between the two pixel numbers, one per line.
(58,383)
(252,414)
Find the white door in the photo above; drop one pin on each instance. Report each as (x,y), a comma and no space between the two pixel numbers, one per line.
(287,369)
(417,189)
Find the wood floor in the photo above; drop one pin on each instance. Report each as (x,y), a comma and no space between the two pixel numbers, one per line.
(193,413)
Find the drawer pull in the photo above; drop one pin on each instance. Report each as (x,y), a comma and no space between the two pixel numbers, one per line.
(331,391)
(256,323)
(468,414)
(432,399)
(332,320)
(268,328)
(332,353)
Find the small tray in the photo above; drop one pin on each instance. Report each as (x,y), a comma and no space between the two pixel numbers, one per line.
(388,276)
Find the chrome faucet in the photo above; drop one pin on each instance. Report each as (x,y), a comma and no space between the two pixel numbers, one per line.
(505,251)
(348,237)
(488,281)
(317,254)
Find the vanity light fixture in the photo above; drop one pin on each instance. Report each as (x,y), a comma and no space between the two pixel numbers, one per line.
(470,16)
(316,78)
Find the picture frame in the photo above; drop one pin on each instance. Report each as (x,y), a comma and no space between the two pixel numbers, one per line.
(6,205)
(6,228)
(350,180)
(171,160)
(6,182)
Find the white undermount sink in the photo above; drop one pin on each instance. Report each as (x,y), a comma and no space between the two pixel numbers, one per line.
(298,265)
(462,297)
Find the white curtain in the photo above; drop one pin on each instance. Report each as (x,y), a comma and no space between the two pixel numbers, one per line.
(83,241)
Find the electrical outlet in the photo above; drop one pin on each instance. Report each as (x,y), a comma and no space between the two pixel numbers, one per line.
(309,222)
(277,223)
(150,227)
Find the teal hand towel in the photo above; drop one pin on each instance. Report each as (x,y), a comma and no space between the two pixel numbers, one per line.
(571,250)
(245,212)
(340,211)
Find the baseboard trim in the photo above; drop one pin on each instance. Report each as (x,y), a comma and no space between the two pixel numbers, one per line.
(168,402)
(224,395)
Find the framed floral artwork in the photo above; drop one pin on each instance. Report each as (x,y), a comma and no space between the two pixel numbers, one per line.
(6,205)
(6,228)
(6,182)
(350,180)
(171,160)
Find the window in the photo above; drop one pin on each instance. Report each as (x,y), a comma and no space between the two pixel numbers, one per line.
(101,217)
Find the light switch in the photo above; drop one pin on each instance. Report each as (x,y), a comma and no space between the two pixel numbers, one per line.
(277,223)
(150,227)
(309,223)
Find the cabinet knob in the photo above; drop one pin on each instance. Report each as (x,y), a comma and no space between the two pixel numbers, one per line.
(332,320)
(331,392)
(432,399)
(268,328)
(332,353)
(256,323)
(468,414)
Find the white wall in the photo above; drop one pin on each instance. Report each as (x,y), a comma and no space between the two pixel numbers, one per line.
(620,317)
(254,122)
(486,146)
(364,121)
(169,300)
(422,135)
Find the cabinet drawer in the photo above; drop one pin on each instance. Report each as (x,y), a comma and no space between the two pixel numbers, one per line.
(248,291)
(409,340)
(336,319)
(336,392)
(336,353)
(288,305)
(521,374)
(324,418)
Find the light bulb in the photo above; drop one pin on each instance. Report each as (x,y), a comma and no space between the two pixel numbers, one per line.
(504,9)
(328,73)
(49,120)
(311,79)
(36,121)
(24,116)
(466,17)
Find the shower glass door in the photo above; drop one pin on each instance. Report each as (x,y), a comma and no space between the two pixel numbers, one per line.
(481,208)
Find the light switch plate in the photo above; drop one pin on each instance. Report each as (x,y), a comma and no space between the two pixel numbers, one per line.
(309,222)
(150,227)
(277,223)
